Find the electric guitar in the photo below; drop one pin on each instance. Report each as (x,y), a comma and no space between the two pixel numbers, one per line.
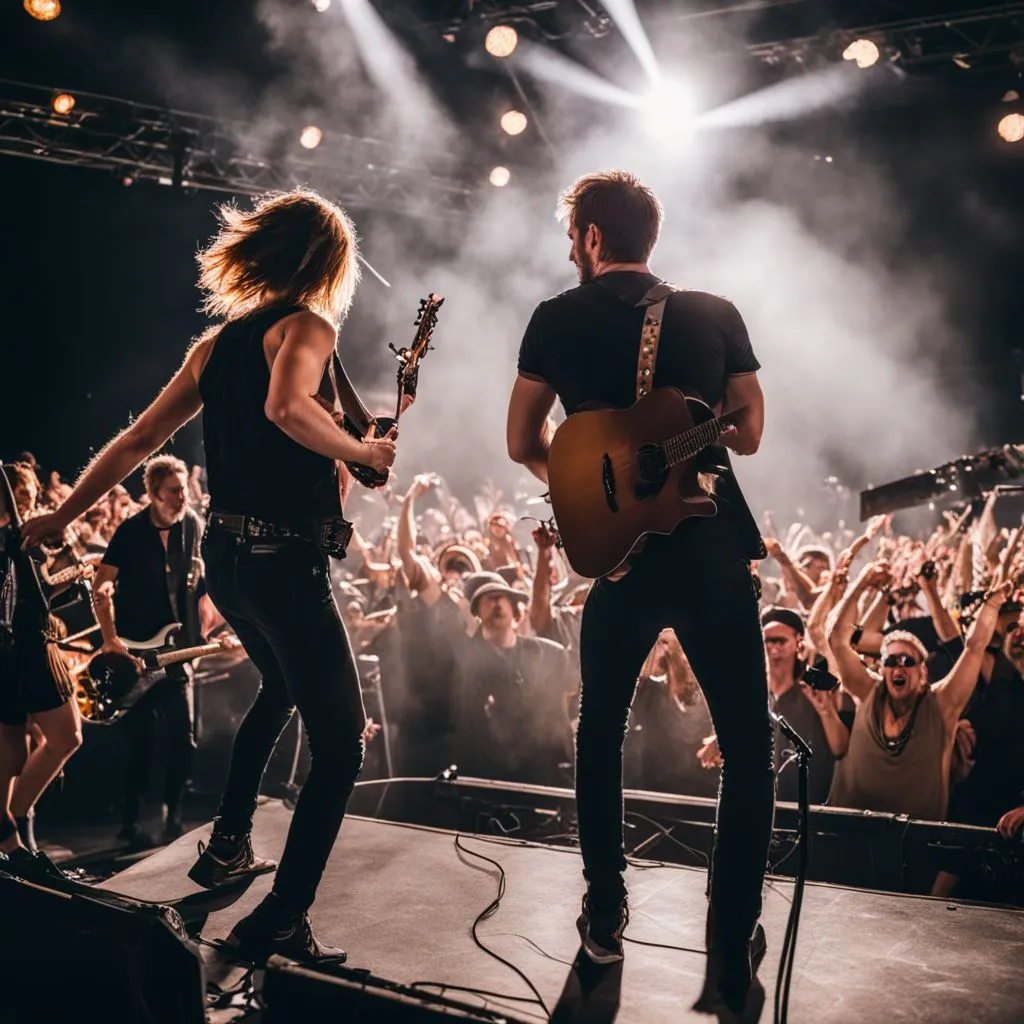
(356,419)
(616,475)
(112,683)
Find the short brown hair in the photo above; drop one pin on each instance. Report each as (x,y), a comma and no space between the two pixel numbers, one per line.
(294,245)
(158,469)
(625,210)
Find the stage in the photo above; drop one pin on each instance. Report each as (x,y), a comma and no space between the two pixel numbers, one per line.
(402,900)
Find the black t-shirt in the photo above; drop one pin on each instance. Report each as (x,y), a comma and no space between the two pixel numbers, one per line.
(585,344)
(148,576)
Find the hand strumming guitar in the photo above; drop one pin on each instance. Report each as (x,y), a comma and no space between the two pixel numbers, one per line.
(378,452)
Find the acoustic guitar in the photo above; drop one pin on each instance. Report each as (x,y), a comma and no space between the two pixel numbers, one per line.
(616,475)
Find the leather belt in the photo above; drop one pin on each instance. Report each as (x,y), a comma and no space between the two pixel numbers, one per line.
(251,527)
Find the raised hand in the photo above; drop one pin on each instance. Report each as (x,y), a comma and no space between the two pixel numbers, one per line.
(378,452)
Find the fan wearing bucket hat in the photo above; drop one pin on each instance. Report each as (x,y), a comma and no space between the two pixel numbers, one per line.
(511,693)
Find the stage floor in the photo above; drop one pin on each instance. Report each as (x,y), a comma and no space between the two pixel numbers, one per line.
(402,899)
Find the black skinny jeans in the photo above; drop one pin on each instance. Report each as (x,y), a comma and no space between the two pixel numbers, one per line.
(163,717)
(278,599)
(708,598)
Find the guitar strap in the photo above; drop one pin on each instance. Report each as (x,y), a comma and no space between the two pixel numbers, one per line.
(654,304)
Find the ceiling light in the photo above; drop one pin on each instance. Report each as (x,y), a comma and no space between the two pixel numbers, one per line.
(513,122)
(63,103)
(500,176)
(863,52)
(310,137)
(321,5)
(42,10)
(1011,128)
(501,41)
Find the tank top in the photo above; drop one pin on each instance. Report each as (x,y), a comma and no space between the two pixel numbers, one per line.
(913,780)
(253,467)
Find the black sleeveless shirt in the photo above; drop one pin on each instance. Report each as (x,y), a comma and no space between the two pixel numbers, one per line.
(253,467)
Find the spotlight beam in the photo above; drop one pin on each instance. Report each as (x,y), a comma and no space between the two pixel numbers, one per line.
(624,14)
(551,66)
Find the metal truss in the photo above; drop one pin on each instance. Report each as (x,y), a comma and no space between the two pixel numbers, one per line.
(191,151)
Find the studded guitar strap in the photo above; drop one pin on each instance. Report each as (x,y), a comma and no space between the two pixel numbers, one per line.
(654,305)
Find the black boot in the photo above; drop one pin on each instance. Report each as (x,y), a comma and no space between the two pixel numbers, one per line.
(228,859)
(731,969)
(272,930)
(27,832)
(35,867)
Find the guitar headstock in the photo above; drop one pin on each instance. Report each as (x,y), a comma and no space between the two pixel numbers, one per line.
(408,358)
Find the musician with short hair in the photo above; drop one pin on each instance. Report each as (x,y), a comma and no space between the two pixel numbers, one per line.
(281,275)
(584,346)
(151,576)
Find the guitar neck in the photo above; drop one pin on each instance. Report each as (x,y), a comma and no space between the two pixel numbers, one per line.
(693,441)
(186,654)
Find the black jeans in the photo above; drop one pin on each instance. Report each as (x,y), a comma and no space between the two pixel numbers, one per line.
(278,599)
(163,718)
(708,598)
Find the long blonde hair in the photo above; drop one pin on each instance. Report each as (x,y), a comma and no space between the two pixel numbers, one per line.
(296,247)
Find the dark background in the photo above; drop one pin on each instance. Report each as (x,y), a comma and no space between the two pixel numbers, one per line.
(98,291)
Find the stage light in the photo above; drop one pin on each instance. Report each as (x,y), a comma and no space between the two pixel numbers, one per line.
(321,5)
(500,176)
(43,10)
(863,52)
(501,41)
(513,122)
(667,107)
(310,137)
(63,103)
(1011,128)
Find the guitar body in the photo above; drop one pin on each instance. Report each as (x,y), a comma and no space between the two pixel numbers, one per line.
(366,475)
(605,496)
(113,684)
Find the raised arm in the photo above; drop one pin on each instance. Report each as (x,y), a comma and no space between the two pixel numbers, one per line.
(419,571)
(945,627)
(796,579)
(540,589)
(856,679)
(955,690)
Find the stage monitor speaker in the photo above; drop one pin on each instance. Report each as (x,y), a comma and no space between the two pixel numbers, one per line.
(94,956)
(292,992)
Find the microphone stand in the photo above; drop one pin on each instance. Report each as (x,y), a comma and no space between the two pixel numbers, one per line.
(803,759)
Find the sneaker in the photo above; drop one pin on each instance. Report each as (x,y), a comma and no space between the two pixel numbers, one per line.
(35,867)
(601,931)
(265,933)
(730,974)
(227,859)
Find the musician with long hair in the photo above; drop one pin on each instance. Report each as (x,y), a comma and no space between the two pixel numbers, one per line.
(281,277)
(593,344)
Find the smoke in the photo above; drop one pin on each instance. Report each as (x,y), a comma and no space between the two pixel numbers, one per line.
(851,324)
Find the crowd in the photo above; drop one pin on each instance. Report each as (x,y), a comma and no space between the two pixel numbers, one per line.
(899,658)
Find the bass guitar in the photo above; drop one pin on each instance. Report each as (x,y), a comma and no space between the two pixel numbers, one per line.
(616,475)
(356,420)
(112,683)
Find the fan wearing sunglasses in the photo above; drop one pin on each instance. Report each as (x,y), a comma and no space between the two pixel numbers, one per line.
(902,738)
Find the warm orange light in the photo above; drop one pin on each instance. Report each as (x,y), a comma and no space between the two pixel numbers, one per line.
(513,122)
(64,103)
(310,137)
(1011,128)
(501,41)
(43,10)
(500,176)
